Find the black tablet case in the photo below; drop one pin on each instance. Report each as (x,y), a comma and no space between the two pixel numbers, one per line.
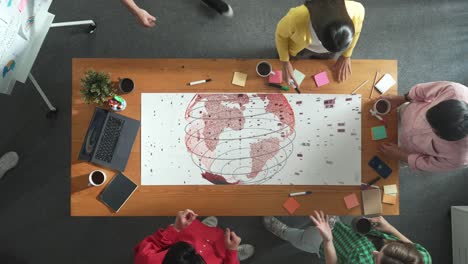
(117,192)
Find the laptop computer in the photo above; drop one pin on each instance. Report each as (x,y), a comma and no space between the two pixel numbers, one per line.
(109,139)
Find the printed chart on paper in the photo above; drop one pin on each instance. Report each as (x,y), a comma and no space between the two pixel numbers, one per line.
(270,139)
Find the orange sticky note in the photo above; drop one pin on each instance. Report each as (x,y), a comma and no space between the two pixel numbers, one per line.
(291,205)
(351,201)
(389,199)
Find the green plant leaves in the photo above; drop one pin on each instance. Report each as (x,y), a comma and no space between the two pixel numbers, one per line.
(96,87)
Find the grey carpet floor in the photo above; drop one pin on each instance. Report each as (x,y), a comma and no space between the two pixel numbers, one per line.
(428,37)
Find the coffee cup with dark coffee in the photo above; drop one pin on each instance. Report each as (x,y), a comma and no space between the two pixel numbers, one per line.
(362,225)
(382,106)
(96,178)
(126,85)
(264,69)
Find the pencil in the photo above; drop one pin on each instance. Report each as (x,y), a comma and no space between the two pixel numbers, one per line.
(372,89)
(359,87)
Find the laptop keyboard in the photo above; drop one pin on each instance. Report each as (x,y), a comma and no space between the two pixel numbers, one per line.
(109,139)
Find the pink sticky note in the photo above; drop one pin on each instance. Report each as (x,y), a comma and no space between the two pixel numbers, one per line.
(321,79)
(291,205)
(276,78)
(351,201)
(22,5)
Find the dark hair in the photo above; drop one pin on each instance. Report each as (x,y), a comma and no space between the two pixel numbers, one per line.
(182,253)
(449,119)
(398,252)
(337,35)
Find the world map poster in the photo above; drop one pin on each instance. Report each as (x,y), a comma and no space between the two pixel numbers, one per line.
(270,139)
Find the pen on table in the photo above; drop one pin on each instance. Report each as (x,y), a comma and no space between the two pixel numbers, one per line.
(373,85)
(198,82)
(374,181)
(291,82)
(365,186)
(299,193)
(359,87)
(284,88)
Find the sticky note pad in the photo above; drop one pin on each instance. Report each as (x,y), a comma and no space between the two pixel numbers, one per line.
(291,205)
(389,199)
(239,79)
(277,77)
(385,83)
(371,201)
(299,76)
(351,201)
(321,79)
(379,132)
(390,189)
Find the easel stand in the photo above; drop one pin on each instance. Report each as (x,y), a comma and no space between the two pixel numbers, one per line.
(90,23)
(92,28)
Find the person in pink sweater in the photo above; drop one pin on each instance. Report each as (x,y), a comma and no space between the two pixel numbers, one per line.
(433,127)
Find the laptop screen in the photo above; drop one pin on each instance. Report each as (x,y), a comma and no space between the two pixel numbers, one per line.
(92,136)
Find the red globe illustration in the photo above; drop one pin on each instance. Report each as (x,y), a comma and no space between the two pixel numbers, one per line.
(239,138)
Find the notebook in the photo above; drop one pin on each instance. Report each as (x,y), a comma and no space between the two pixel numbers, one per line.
(371,199)
(385,83)
(117,192)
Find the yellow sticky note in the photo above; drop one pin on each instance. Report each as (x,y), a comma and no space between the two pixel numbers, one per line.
(390,189)
(389,199)
(239,79)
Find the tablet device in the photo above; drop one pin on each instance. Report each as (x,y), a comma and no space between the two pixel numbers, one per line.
(117,192)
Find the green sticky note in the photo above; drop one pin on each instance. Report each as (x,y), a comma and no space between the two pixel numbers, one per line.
(299,76)
(379,132)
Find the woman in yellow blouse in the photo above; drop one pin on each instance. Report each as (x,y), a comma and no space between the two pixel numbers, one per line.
(320,29)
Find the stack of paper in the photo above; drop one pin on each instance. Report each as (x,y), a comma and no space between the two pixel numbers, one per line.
(371,202)
(385,83)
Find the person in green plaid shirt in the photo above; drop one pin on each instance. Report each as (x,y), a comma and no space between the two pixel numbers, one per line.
(383,245)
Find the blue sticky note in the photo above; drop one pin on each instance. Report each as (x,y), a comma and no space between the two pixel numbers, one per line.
(299,76)
(379,132)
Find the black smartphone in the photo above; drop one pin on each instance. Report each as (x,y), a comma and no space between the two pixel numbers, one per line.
(380,167)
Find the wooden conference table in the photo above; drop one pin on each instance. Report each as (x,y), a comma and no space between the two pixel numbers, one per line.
(170,76)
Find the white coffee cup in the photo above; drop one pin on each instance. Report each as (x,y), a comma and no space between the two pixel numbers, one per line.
(96,178)
(385,103)
(267,74)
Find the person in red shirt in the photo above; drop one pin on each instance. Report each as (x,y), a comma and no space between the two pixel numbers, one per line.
(189,241)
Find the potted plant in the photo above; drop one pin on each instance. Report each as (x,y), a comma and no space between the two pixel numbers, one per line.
(96,87)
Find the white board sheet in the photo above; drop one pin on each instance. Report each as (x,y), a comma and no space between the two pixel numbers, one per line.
(271,139)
